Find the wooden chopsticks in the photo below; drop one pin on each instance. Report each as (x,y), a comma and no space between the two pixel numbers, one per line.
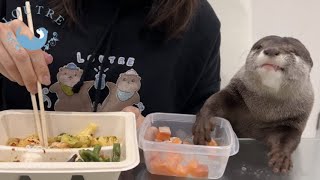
(41,123)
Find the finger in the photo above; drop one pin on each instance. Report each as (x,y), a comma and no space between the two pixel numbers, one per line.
(212,123)
(21,60)
(290,164)
(17,25)
(39,62)
(140,120)
(202,138)
(151,133)
(278,163)
(194,132)
(274,158)
(197,129)
(48,58)
(198,138)
(285,166)
(195,138)
(207,130)
(196,124)
(40,66)
(134,110)
(10,69)
(194,127)
(4,73)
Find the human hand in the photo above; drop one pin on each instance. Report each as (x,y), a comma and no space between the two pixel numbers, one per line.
(136,111)
(21,65)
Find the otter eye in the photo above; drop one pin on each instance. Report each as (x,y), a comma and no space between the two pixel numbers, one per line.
(132,80)
(124,79)
(65,73)
(259,47)
(292,51)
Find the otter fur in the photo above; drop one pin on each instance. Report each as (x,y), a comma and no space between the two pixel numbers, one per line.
(269,99)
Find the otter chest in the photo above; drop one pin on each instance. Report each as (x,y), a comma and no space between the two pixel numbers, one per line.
(263,109)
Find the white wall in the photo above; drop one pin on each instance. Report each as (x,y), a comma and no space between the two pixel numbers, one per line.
(236,29)
(245,21)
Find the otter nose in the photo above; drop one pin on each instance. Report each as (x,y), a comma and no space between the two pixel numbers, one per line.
(271,52)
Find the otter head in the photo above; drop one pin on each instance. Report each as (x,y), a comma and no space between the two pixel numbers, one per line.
(277,62)
(69,75)
(129,81)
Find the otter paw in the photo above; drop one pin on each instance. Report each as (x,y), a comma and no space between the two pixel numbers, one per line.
(280,161)
(202,131)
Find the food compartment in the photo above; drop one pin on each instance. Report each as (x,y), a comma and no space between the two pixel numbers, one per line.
(185,164)
(22,126)
(186,160)
(35,161)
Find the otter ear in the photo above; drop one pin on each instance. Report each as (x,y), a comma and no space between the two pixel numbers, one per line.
(60,69)
(121,75)
(139,77)
(81,71)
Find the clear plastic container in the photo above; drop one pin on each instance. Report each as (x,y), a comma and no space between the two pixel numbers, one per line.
(50,164)
(184,160)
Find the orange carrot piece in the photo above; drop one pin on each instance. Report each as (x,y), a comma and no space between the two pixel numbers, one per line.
(212,143)
(176,140)
(193,164)
(201,171)
(164,134)
(158,166)
(181,171)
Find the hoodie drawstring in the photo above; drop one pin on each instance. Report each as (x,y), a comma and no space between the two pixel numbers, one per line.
(106,54)
(107,35)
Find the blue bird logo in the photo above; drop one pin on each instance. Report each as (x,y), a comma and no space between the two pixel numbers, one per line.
(34,43)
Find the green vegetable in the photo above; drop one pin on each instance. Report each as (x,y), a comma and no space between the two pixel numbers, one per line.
(72,141)
(84,155)
(58,138)
(106,159)
(91,156)
(97,149)
(116,152)
(94,155)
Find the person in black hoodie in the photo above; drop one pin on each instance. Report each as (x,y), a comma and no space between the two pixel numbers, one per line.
(155,55)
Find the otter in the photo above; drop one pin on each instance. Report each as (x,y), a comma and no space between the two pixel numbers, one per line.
(122,94)
(269,99)
(67,77)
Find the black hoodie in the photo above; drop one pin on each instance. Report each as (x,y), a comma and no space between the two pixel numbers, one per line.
(136,66)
